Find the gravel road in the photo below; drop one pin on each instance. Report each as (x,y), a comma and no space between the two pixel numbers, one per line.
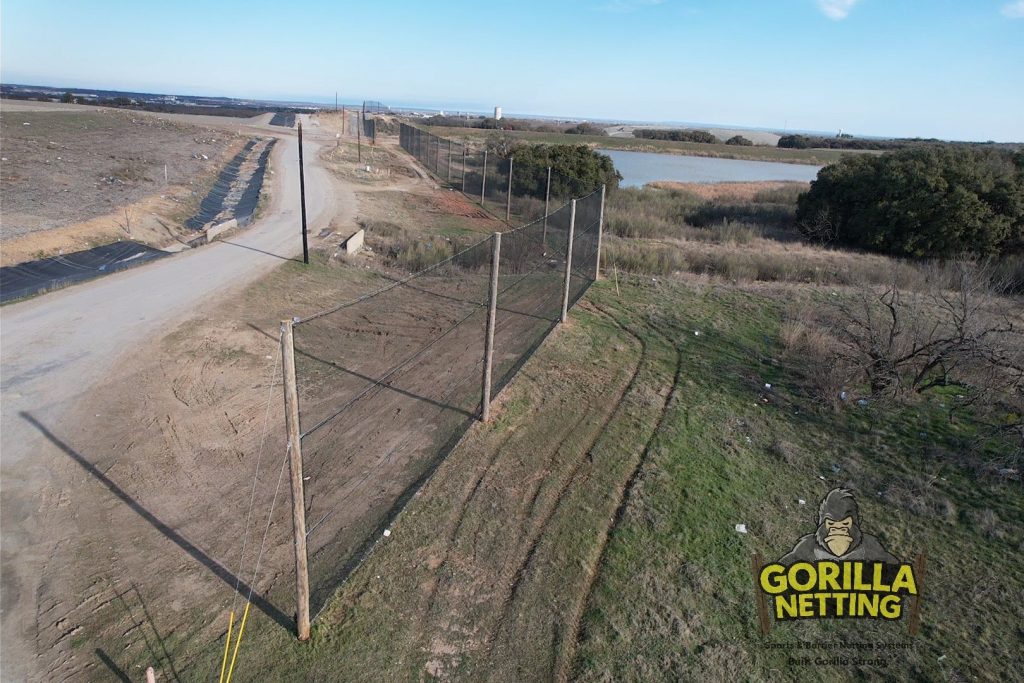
(57,347)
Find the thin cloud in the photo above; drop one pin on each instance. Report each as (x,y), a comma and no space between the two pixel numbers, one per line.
(837,10)
(626,6)
(1014,10)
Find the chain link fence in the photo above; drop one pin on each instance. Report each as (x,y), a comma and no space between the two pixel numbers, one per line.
(389,382)
(515,192)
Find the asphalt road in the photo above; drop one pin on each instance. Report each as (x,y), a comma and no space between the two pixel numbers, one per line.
(56,347)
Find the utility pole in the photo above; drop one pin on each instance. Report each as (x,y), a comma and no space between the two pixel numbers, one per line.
(302,196)
(291,416)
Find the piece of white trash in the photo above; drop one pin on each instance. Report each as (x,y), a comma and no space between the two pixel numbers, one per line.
(387,532)
(742,528)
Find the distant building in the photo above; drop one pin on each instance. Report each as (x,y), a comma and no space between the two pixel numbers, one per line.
(497,113)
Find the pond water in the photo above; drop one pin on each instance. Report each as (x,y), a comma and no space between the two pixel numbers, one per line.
(640,168)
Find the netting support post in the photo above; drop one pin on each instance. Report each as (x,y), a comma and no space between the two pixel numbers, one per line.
(291,418)
(463,168)
(483,179)
(437,156)
(568,262)
(302,199)
(492,309)
(547,204)
(508,199)
(600,231)
(449,161)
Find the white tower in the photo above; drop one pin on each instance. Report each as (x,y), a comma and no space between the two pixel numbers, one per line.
(497,113)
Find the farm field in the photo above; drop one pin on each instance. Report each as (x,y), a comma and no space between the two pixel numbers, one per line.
(815,157)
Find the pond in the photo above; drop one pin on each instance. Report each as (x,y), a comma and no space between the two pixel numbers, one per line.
(640,168)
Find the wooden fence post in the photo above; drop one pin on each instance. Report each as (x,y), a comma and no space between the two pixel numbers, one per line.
(600,231)
(508,199)
(547,204)
(756,563)
(492,309)
(568,262)
(483,179)
(464,168)
(291,416)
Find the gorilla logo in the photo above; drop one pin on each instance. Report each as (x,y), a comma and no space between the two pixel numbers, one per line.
(838,536)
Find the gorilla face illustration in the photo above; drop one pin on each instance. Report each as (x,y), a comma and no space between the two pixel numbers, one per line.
(838,523)
(838,536)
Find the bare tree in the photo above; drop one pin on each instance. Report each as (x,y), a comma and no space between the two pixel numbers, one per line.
(911,342)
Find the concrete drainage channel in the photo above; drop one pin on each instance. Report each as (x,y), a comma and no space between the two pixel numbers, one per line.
(232,200)
(230,203)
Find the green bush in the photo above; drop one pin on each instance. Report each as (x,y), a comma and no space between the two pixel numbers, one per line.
(923,202)
(577,170)
(739,140)
(702,136)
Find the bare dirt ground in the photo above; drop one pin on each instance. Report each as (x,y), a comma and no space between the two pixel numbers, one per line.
(60,348)
(139,521)
(78,178)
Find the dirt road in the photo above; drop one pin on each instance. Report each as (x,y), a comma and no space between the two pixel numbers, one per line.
(57,347)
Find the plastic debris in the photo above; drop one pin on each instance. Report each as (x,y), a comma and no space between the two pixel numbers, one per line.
(801,501)
(843,396)
(742,528)
(767,385)
(387,532)
(696,333)
(862,402)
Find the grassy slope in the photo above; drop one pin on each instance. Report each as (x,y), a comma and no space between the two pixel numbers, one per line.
(816,157)
(539,549)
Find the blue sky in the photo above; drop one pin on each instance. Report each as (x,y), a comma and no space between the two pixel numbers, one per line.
(943,68)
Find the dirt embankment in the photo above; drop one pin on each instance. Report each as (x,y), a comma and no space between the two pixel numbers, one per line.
(76,179)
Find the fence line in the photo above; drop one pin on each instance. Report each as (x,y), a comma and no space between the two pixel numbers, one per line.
(385,384)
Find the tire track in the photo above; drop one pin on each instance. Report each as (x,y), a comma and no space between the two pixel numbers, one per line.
(572,640)
(539,530)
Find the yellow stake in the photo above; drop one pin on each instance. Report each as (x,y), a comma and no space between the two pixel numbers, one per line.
(238,642)
(227,644)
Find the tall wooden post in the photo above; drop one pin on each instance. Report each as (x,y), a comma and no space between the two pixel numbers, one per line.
(291,418)
(483,179)
(343,117)
(359,138)
(508,199)
(302,198)
(464,168)
(600,231)
(547,203)
(756,563)
(449,161)
(492,309)
(568,262)
(437,156)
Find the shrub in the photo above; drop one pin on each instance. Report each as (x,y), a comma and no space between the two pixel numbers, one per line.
(702,136)
(739,140)
(924,202)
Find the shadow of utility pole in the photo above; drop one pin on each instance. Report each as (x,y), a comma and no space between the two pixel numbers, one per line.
(196,553)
